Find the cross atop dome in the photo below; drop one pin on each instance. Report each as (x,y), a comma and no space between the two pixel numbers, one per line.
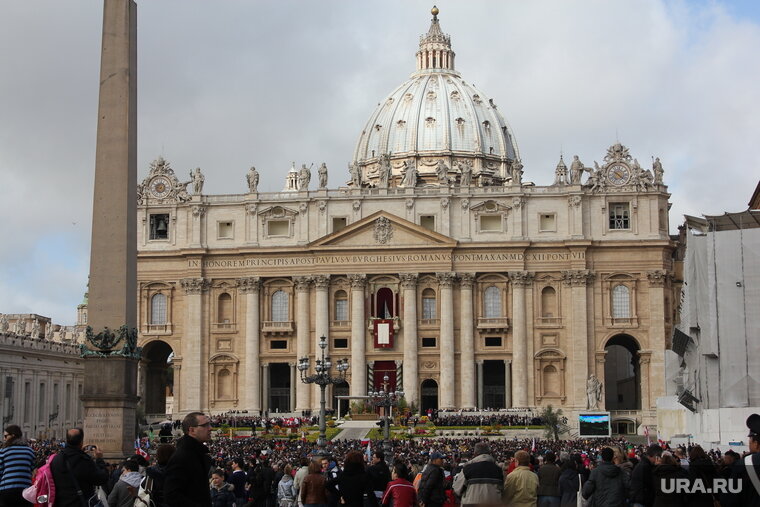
(435,47)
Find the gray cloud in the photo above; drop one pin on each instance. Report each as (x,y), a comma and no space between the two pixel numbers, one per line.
(226,85)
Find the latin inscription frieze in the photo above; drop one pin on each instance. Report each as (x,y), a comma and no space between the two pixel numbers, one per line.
(317,260)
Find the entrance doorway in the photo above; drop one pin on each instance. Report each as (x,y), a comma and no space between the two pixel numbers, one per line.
(279,387)
(622,377)
(493,384)
(340,406)
(159,377)
(429,396)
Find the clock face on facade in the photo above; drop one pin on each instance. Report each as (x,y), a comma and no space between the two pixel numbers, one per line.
(160,187)
(618,174)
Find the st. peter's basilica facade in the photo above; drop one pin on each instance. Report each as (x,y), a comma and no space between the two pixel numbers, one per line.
(435,263)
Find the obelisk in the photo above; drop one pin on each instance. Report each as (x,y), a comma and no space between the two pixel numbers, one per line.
(110,384)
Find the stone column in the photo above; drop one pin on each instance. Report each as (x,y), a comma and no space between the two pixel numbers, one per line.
(520,280)
(467,340)
(479,364)
(250,287)
(194,359)
(578,280)
(411,382)
(358,367)
(321,326)
(293,382)
(447,363)
(302,283)
(507,383)
(658,281)
(199,211)
(265,387)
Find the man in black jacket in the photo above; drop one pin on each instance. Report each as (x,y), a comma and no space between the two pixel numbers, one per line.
(431,491)
(73,467)
(187,473)
(642,492)
(379,474)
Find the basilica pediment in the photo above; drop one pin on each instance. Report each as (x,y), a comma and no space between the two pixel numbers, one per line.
(383,229)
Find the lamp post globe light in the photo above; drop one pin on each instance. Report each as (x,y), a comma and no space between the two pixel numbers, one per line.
(322,378)
(386,399)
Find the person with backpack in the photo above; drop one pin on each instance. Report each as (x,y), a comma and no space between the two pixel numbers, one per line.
(286,491)
(124,491)
(481,480)
(75,472)
(16,463)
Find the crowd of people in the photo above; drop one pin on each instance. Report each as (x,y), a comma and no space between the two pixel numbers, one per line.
(196,470)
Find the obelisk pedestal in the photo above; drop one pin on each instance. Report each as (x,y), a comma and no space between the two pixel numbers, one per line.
(111,354)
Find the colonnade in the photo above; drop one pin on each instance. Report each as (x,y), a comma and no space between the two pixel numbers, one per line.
(467,380)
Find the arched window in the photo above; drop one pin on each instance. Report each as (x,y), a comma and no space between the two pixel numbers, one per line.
(621,302)
(341,305)
(428,304)
(492,308)
(224,308)
(224,384)
(280,306)
(158,310)
(548,303)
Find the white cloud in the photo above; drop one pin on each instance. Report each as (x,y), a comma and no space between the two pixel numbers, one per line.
(226,85)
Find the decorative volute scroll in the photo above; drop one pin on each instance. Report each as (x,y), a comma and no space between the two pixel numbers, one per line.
(446,279)
(521,278)
(249,284)
(577,277)
(408,280)
(358,281)
(658,277)
(194,285)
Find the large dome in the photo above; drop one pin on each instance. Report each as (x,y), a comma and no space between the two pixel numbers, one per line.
(435,116)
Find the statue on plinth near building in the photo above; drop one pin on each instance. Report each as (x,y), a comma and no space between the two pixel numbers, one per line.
(593,392)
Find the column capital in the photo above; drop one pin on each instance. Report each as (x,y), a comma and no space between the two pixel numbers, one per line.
(521,278)
(199,210)
(322,282)
(194,285)
(408,280)
(466,280)
(249,285)
(446,279)
(658,277)
(577,277)
(479,362)
(358,281)
(644,356)
(508,362)
(302,283)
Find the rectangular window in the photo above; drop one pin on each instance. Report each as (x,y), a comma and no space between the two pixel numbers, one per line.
(428,222)
(428,342)
(547,222)
(278,228)
(620,215)
(490,223)
(428,308)
(224,230)
(278,344)
(341,309)
(338,223)
(340,343)
(493,341)
(159,226)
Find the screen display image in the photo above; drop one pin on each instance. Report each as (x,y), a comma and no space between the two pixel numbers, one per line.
(594,425)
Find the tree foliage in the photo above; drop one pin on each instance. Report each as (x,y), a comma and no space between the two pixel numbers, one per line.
(553,424)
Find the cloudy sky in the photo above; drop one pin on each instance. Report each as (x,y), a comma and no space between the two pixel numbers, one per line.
(227,84)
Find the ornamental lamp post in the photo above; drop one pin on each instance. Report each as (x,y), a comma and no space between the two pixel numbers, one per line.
(322,378)
(386,399)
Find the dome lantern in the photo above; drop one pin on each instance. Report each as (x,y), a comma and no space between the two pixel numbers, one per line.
(435,48)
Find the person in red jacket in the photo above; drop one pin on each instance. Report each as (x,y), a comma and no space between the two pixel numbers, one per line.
(400,492)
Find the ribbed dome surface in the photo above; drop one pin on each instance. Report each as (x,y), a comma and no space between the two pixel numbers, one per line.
(436,112)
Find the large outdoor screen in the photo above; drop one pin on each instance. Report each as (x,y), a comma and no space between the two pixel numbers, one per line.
(594,425)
